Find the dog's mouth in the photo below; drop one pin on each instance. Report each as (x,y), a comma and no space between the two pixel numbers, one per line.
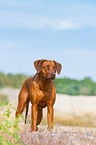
(50,77)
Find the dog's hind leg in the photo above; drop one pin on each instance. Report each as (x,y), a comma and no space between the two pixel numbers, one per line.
(22,100)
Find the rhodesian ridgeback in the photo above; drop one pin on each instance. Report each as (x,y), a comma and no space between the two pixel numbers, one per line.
(41,91)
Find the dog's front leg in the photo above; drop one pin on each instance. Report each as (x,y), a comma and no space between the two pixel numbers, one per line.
(34,117)
(50,117)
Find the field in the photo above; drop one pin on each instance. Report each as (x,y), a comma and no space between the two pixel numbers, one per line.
(74,122)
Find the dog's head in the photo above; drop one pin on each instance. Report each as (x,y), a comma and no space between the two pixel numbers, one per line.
(47,68)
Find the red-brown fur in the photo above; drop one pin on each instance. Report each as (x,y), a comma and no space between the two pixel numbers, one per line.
(41,91)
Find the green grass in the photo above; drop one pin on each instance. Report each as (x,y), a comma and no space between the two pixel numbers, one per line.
(3,100)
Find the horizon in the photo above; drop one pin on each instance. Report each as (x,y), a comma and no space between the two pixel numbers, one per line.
(57,77)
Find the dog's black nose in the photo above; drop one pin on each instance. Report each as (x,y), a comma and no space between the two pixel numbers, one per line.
(52,74)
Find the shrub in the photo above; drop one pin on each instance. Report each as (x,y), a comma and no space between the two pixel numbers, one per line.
(9,129)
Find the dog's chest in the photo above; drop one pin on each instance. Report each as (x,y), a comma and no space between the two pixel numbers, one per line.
(43,100)
(43,94)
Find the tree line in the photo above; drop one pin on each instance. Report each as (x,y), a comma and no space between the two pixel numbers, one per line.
(63,85)
(76,87)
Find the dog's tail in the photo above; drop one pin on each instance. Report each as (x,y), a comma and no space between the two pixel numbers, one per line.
(26,112)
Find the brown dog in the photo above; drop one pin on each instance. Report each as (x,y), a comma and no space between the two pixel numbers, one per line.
(41,91)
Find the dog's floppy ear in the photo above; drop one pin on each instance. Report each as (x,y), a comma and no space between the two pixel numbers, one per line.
(38,64)
(58,67)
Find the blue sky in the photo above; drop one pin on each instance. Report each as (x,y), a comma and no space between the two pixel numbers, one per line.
(61,30)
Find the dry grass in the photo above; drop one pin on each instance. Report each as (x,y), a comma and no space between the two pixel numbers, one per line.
(80,121)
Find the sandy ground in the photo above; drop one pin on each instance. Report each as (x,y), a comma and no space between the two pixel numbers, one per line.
(78,105)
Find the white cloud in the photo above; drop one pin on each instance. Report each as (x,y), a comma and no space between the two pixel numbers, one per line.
(65,25)
(30,21)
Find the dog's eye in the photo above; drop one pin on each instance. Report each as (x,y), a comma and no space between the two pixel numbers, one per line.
(46,67)
(54,67)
